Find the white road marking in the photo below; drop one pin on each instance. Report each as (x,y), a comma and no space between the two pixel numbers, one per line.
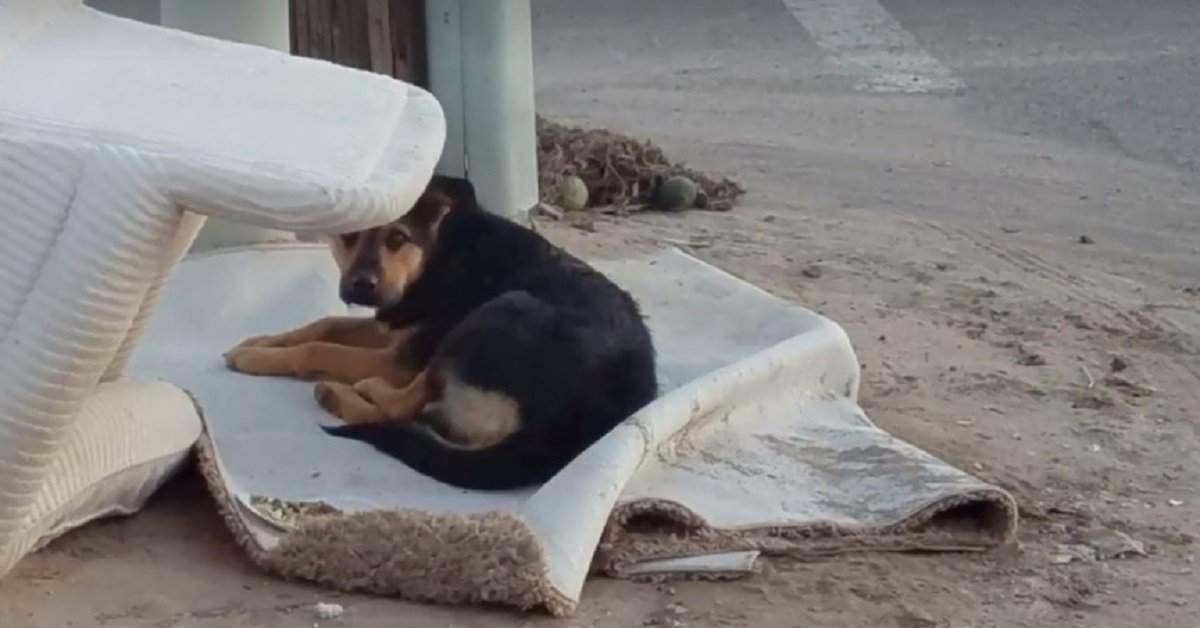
(864,40)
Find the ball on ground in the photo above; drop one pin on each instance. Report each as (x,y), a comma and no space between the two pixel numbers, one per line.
(573,192)
(676,194)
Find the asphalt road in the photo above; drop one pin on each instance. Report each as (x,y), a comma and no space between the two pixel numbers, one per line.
(1108,77)
(1118,75)
(855,92)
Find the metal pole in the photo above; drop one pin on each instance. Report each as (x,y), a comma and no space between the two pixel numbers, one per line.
(481,70)
(257,22)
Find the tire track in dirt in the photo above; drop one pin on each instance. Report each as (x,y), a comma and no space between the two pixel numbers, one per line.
(1142,408)
(1141,329)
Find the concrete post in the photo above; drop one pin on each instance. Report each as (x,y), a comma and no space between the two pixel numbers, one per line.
(258,22)
(481,70)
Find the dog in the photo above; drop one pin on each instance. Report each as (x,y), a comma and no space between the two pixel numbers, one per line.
(494,358)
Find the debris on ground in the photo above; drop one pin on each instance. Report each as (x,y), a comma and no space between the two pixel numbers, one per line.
(673,616)
(289,514)
(620,172)
(1133,389)
(1026,357)
(1108,544)
(549,211)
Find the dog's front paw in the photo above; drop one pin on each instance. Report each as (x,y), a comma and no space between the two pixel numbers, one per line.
(255,361)
(266,340)
(234,357)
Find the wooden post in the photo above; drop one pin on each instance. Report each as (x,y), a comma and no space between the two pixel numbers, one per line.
(385,36)
(482,74)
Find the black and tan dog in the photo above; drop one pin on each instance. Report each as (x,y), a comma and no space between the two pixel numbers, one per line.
(494,358)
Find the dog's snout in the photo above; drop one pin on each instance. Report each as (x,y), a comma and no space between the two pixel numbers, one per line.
(360,289)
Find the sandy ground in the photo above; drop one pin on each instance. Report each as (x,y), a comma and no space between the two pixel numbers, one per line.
(1025,309)
(1062,370)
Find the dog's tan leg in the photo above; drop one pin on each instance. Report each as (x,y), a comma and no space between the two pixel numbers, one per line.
(398,403)
(341,330)
(343,402)
(321,361)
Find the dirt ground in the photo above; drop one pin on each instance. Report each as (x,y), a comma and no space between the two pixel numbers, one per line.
(1017,312)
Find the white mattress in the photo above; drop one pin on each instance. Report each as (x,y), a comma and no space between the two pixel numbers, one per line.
(116,139)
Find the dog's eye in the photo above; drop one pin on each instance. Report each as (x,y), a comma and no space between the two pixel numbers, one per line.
(348,239)
(395,239)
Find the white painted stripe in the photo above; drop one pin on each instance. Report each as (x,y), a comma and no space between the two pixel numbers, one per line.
(864,40)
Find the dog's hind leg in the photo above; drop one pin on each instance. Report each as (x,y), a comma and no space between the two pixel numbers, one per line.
(398,403)
(321,361)
(343,402)
(470,417)
(507,361)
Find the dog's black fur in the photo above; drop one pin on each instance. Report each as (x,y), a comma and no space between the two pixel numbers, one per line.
(513,314)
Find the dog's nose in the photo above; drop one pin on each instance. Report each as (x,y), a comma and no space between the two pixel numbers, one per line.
(359,290)
(363,285)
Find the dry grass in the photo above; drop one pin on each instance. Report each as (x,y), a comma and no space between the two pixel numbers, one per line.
(621,172)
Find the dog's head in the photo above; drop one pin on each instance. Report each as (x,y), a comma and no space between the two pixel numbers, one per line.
(378,264)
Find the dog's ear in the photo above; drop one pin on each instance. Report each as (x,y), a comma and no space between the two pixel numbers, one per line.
(427,214)
(460,191)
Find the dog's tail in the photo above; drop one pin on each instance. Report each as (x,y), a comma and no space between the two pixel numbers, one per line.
(513,463)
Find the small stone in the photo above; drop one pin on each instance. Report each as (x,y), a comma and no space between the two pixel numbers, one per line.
(1086,239)
(1174,503)
(812,271)
(330,610)
(1118,364)
(584,223)
(1073,553)
(1062,558)
(1026,357)
(1109,544)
